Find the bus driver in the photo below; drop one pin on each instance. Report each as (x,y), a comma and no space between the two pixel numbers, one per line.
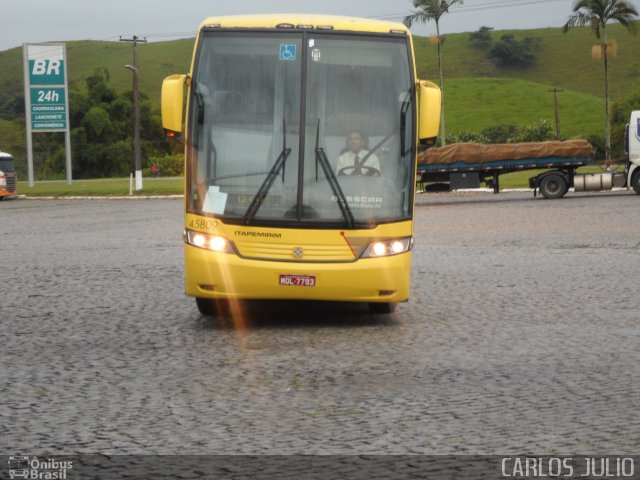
(356,160)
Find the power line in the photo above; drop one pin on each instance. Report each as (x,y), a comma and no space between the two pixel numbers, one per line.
(494,5)
(491,5)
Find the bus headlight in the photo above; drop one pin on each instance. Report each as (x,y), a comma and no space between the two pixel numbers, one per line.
(215,243)
(385,248)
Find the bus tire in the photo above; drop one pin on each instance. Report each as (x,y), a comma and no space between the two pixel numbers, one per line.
(635,181)
(382,308)
(553,185)
(211,308)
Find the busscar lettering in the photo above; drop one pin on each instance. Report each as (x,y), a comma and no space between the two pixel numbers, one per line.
(361,201)
(241,233)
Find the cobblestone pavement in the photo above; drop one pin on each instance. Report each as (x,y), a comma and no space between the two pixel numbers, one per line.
(522,335)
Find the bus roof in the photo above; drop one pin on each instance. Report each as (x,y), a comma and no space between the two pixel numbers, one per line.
(340,23)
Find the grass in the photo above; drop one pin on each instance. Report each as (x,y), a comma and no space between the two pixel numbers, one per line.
(108,187)
(115,187)
(473,104)
(562,60)
(157,60)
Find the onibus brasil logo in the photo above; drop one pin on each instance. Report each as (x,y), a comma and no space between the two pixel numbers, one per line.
(38,468)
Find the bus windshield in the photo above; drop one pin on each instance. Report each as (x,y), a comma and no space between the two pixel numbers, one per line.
(302,128)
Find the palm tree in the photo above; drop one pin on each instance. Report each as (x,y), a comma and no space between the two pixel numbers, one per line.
(597,13)
(433,10)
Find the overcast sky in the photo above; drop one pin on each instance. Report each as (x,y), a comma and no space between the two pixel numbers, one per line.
(30,21)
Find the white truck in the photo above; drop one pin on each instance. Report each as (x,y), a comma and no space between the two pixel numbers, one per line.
(631,175)
(632,149)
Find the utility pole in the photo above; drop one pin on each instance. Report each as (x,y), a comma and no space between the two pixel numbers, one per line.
(555,107)
(136,108)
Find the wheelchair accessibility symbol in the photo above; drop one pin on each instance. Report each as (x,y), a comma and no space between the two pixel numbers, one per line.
(288,52)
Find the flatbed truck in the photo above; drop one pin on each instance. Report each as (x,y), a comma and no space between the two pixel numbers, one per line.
(466,165)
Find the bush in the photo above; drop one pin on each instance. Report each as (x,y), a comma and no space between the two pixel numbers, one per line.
(535,132)
(462,137)
(508,133)
(597,142)
(481,38)
(500,133)
(508,52)
(168,165)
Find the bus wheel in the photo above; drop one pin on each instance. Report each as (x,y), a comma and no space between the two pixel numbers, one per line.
(635,182)
(553,185)
(211,308)
(382,308)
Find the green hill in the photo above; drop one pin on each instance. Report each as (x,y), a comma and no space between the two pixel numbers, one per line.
(473,104)
(156,60)
(562,60)
(478,94)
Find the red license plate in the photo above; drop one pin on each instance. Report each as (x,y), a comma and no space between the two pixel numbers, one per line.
(298,280)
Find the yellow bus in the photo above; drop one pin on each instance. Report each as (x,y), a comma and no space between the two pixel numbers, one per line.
(301,137)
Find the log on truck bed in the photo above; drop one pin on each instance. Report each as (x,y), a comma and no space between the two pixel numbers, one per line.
(511,156)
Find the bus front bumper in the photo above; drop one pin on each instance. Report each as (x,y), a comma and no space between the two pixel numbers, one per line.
(222,275)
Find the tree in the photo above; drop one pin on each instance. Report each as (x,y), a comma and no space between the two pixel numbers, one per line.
(597,13)
(101,134)
(433,10)
(620,118)
(11,103)
(511,53)
(481,38)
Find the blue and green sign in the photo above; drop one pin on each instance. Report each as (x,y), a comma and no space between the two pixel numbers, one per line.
(46,71)
(48,108)
(46,97)
(47,87)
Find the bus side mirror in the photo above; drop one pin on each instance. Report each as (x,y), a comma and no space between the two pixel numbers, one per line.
(172,104)
(429,112)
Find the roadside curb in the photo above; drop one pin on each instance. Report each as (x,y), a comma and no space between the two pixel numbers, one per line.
(86,197)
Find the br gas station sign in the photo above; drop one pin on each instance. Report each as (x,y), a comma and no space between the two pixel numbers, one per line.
(47,88)
(46,95)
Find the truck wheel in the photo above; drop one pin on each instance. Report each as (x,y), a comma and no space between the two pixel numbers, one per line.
(382,308)
(553,185)
(211,308)
(635,182)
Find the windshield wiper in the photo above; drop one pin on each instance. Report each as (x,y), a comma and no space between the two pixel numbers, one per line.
(333,181)
(259,197)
